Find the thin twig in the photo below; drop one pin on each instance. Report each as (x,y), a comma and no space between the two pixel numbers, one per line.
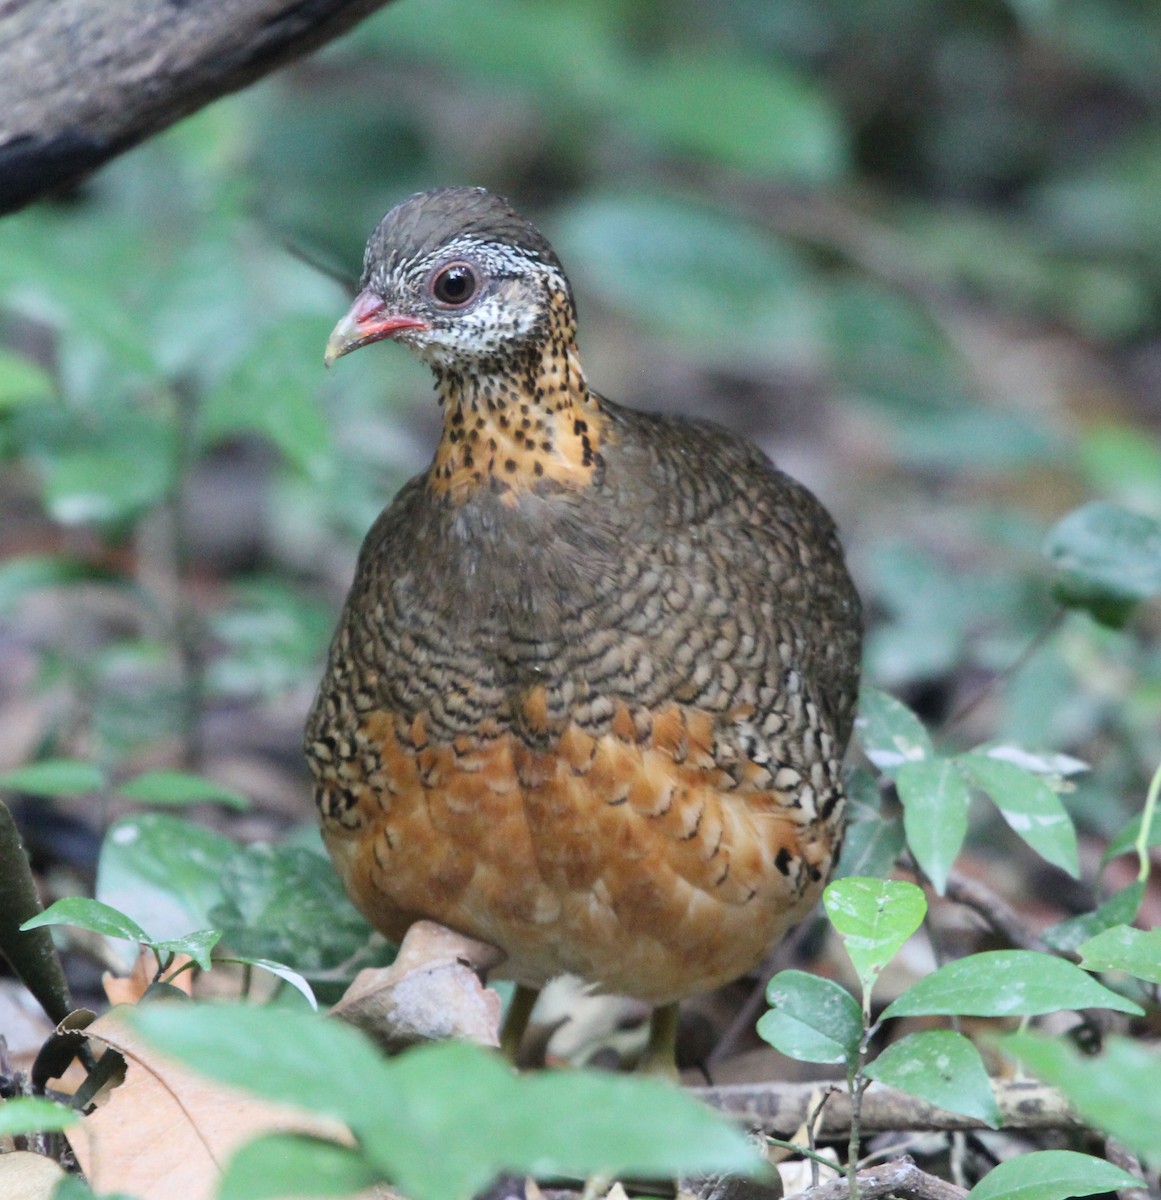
(995,911)
(901,1177)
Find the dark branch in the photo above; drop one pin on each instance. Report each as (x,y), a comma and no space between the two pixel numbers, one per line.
(83,80)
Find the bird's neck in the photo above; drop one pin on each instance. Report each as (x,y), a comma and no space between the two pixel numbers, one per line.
(518,424)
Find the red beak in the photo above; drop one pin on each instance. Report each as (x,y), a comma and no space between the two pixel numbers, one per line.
(366,321)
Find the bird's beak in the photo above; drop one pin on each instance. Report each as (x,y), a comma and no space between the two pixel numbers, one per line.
(367,321)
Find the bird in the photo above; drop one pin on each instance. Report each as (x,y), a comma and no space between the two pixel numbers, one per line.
(590,693)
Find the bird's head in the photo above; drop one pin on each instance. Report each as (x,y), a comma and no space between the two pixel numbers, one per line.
(459,277)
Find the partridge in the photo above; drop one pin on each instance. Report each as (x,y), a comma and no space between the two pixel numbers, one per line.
(591,690)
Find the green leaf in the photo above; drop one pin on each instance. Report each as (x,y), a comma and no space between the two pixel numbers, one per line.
(889,732)
(1107,559)
(758,116)
(1006,983)
(1051,1175)
(811,1019)
(286,904)
(1029,806)
(1115,1091)
(197,945)
(281,1164)
(31,1114)
(935,807)
(1119,909)
(874,917)
(872,841)
(274,392)
(1122,948)
(91,915)
(23,381)
(731,291)
(165,871)
(1125,842)
(441,1120)
(944,1069)
(54,777)
(283,972)
(177,788)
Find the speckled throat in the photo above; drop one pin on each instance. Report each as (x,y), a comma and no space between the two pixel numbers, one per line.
(514,421)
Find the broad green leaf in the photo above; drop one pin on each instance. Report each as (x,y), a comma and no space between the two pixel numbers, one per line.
(1006,983)
(125,464)
(1119,909)
(286,904)
(943,1068)
(1125,842)
(283,972)
(177,788)
(731,291)
(280,1164)
(441,1120)
(91,915)
(32,1114)
(811,1018)
(164,871)
(935,807)
(1107,558)
(54,777)
(889,732)
(1115,1091)
(874,917)
(274,392)
(1122,948)
(756,115)
(1051,1175)
(872,841)
(22,381)
(198,945)
(1029,806)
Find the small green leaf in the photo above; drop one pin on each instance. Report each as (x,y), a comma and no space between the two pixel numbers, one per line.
(890,733)
(1029,806)
(283,972)
(91,915)
(1051,1175)
(164,870)
(31,1114)
(22,381)
(1115,1091)
(873,841)
(1125,842)
(197,945)
(811,1019)
(180,788)
(277,1165)
(1123,948)
(1107,558)
(54,777)
(1006,983)
(441,1120)
(944,1069)
(1119,909)
(935,807)
(874,917)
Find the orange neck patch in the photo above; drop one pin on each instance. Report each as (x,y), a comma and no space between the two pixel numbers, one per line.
(527,422)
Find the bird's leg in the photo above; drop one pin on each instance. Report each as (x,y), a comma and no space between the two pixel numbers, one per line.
(516,1021)
(660,1057)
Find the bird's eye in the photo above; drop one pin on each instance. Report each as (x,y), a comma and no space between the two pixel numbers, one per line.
(455,285)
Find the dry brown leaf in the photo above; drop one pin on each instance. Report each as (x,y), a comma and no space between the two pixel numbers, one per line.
(432,990)
(128,989)
(27,1176)
(168,1132)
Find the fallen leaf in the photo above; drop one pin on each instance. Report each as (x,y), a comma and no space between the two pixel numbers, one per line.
(128,989)
(432,990)
(168,1132)
(29,1176)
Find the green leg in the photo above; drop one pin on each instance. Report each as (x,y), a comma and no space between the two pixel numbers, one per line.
(516,1021)
(660,1057)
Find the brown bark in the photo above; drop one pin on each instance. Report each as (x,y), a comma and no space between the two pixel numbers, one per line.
(83,80)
